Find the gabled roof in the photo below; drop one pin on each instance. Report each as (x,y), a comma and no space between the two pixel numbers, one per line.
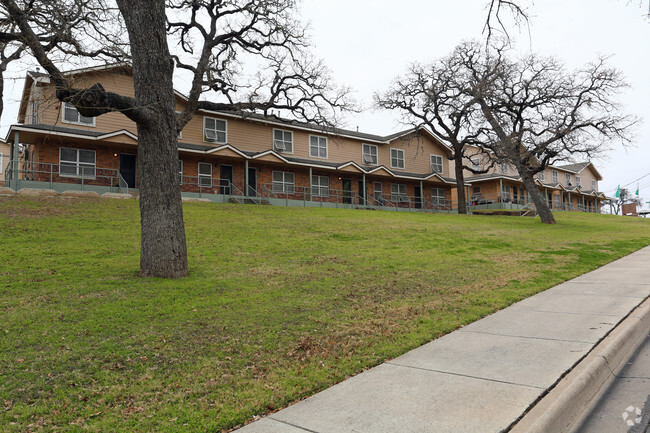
(579,167)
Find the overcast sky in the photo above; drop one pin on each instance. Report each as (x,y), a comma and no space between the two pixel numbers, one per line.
(367,44)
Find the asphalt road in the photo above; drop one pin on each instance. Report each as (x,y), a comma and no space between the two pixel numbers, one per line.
(624,406)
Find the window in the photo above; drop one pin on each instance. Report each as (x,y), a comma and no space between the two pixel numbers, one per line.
(71,115)
(214,130)
(437,196)
(540,175)
(35,119)
(556,201)
(76,162)
(554,175)
(205,174)
(504,167)
(578,181)
(476,163)
(180,133)
(317,146)
(0,162)
(567,176)
(476,192)
(397,158)
(398,192)
(436,164)
(370,154)
(282,141)
(593,185)
(377,193)
(180,170)
(320,186)
(283,182)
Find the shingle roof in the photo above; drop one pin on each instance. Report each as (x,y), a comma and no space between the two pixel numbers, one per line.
(574,167)
(64,130)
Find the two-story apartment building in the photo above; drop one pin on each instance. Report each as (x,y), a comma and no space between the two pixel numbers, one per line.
(225,154)
(572,187)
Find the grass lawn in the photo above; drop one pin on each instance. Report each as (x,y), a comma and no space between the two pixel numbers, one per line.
(280,303)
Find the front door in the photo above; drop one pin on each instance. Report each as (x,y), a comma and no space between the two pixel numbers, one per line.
(418,197)
(226,179)
(127,169)
(251,189)
(362,193)
(346,185)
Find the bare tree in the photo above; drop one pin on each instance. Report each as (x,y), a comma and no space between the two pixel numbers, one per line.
(434,96)
(213,39)
(538,114)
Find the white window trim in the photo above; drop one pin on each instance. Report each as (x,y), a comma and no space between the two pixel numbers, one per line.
(321,189)
(503,167)
(567,178)
(285,150)
(326,147)
(540,175)
(399,197)
(1,167)
(438,199)
(71,122)
(205,137)
(77,164)
(475,163)
(578,183)
(555,178)
(403,167)
(284,183)
(442,167)
(593,185)
(363,154)
(204,176)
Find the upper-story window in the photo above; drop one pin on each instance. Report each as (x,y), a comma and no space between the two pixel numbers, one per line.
(436,164)
(567,177)
(540,175)
(476,163)
(369,154)
(214,130)
(282,141)
(397,158)
(317,146)
(504,167)
(554,175)
(71,115)
(593,185)
(0,162)
(578,181)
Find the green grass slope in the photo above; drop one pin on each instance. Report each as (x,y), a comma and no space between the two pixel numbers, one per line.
(280,303)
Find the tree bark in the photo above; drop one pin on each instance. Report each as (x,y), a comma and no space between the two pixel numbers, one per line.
(544,212)
(460,180)
(163,251)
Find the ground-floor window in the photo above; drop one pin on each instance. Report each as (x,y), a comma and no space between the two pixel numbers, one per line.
(556,201)
(438,196)
(320,186)
(283,182)
(398,192)
(205,174)
(476,192)
(76,162)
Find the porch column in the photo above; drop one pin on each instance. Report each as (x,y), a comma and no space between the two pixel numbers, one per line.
(501,190)
(310,185)
(421,195)
(570,203)
(546,197)
(246,177)
(14,158)
(365,191)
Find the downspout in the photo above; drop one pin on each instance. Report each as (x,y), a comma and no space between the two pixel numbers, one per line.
(421,195)
(310,184)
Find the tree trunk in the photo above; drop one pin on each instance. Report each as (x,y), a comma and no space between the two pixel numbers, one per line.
(545,214)
(163,249)
(460,181)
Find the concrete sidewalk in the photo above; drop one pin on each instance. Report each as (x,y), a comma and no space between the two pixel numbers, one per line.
(485,376)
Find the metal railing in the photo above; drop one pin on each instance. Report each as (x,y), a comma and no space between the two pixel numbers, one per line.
(294,194)
(210,185)
(48,175)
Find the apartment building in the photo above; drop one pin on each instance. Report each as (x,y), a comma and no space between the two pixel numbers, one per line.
(571,187)
(225,155)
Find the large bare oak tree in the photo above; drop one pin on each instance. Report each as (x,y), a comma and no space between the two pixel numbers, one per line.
(537,113)
(214,42)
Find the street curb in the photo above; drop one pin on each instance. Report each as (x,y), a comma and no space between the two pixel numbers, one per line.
(557,410)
